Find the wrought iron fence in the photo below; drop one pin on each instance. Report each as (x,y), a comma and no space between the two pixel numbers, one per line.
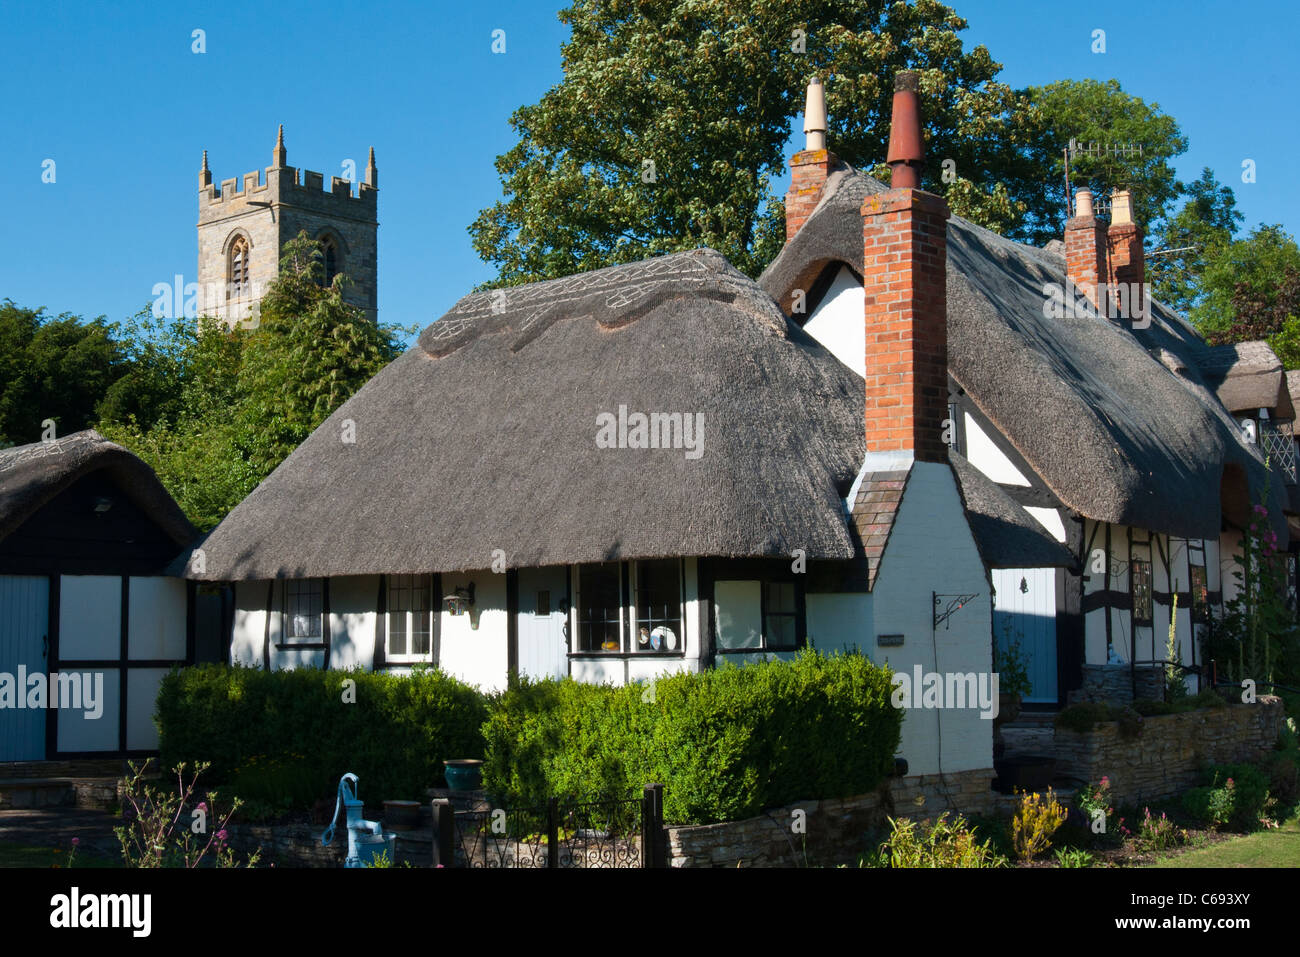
(610,832)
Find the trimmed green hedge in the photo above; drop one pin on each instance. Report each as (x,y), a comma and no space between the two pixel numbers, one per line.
(394,737)
(725,743)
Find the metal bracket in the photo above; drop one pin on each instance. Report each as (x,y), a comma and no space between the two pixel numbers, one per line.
(954,604)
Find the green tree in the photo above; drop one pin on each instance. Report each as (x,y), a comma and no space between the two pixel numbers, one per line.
(1250,289)
(309,353)
(673,118)
(231,404)
(53,368)
(1093,111)
(1199,232)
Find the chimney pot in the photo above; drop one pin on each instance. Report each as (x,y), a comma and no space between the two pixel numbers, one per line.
(814,116)
(1121,208)
(1083,203)
(906,145)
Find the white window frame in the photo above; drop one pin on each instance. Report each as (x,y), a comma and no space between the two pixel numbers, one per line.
(287,637)
(408,657)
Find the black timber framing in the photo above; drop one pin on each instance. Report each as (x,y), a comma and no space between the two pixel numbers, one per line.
(512,622)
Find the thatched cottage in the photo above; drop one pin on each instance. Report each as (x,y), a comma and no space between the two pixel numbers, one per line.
(641,469)
(881,446)
(89,620)
(1116,435)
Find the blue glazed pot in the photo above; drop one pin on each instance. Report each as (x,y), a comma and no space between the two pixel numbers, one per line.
(464,774)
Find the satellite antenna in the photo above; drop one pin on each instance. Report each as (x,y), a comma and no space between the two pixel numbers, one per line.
(1094,150)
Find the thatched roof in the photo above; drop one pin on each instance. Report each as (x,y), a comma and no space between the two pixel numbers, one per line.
(32,475)
(1246,376)
(1007,536)
(484,436)
(1118,423)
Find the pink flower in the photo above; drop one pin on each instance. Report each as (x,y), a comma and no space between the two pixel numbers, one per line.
(76,841)
(203,806)
(1105,782)
(222,835)
(1260,510)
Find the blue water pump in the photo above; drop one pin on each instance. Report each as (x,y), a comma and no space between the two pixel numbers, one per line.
(366,839)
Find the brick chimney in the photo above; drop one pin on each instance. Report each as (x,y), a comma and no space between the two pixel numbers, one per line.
(1126,261)
(904,243)
(809,167)
(1086,258)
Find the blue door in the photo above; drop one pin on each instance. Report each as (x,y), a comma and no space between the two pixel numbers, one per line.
(543,617)
(1024,609)
(24,641)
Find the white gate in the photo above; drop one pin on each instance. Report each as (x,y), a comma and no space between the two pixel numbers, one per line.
(24,643)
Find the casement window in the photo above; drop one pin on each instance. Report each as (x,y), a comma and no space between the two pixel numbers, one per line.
(657,621)
(237,277)
(1140,590)
(409,632)
(302,611)
(600,607)
(765,615)
(630,607)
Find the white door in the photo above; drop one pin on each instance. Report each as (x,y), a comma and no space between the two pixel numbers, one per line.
(543,616)
(1024,608)
(24,644)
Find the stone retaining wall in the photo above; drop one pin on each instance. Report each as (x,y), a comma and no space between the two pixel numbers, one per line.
(1113,684)
(1166,757)
(835,830)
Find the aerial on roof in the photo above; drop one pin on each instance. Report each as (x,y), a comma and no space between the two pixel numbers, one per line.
(1117,434)
(31,475)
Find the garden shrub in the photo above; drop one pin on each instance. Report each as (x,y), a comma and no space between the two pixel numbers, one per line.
(725,743)
(1035,822)
(291,733)
(941,843)
(1234,795)
(1086,715)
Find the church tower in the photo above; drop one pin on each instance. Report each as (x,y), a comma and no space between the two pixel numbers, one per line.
(242,229)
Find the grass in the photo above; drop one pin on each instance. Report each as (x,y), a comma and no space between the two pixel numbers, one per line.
(21,855)
(1276,848)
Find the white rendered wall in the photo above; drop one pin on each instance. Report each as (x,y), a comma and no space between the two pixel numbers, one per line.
(353,603)
(90,618)
(837,322)
(248,635)
(931,549)
(840,622)
(985,456)
(478,656)
(156,619)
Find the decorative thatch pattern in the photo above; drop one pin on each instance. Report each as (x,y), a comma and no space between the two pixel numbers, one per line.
(1115,433)
(31,475)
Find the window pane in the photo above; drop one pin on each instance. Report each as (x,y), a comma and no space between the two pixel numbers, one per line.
(738,614)
(780,631)
(600,606)
(302,609)
(1140,586)
(397,632)
(659,606)
(780,597)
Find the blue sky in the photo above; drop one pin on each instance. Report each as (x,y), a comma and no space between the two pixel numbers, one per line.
(114,95)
